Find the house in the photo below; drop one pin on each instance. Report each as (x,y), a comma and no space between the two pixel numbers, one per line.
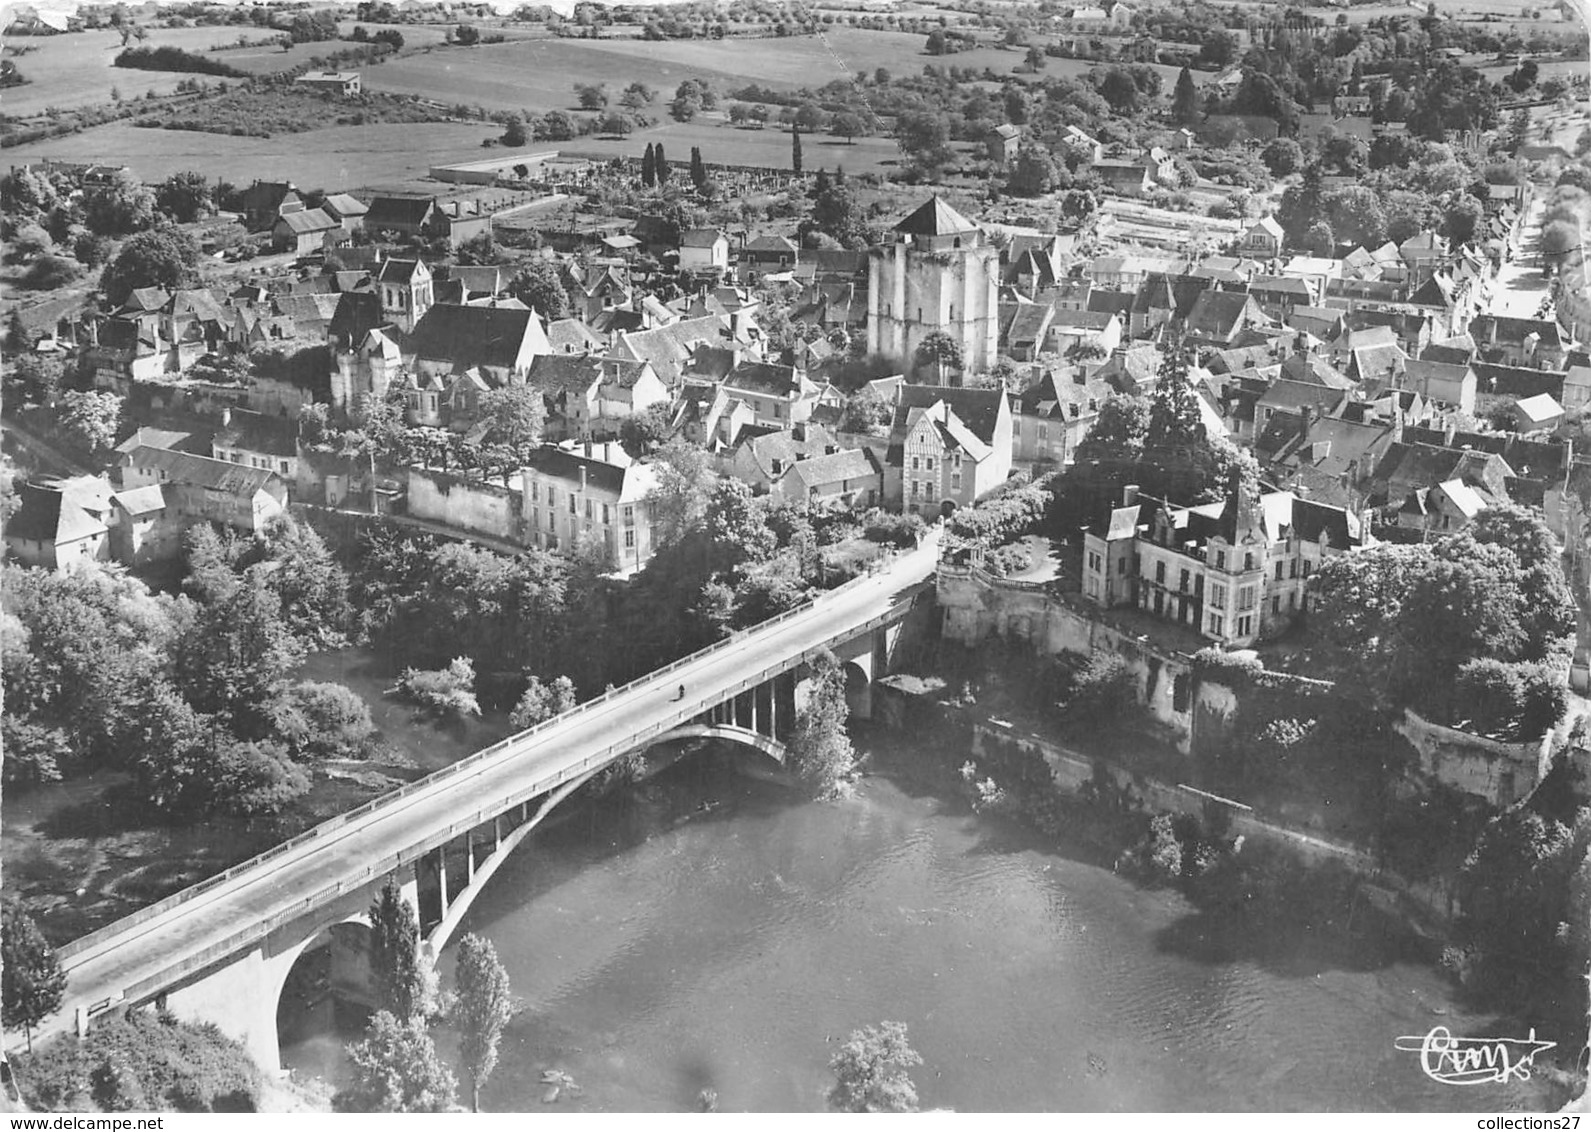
(303,232)
(671,348)
(761,456)
(1577,387)
(348,211)
(592,495)
(947,447)
(589,397)
(199,489)
(1235,571)
(59,526)
(1279,295)
(345,83)
(1317,271)
(257,440)
(703,249)
(1053,415)
(1001,143)
(1442,509)
(1538,412)
(778,395)
(1127,178)
(426,218)
(1262,239)
(138,535)
(1026,330)
(1519,341)
(1294,397)
(847,477)
(769,254)
(264,201)
(1084,334)
(1077,141)
(1450,384)
(1218,317)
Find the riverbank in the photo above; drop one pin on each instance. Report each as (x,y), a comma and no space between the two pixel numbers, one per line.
(1246,876)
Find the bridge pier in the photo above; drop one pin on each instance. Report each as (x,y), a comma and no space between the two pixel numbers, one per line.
(240,997)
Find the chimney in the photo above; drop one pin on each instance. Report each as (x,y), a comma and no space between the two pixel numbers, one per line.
(776,466)
(226,416)
(587,449)
(1449,431)
(582,479)
(1307,418)
(1129,495)
(830,449)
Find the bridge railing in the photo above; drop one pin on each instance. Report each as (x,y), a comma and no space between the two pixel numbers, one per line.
(463,766)
(357,881)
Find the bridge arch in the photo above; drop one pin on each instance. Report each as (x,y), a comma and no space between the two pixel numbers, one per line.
(746,737)
(327,973)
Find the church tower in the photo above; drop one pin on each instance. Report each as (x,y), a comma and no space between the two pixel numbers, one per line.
(941,273)
(406,291)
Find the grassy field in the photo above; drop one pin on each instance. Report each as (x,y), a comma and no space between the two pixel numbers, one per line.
(75,70)
(540,74)
(342,157)
(724,144)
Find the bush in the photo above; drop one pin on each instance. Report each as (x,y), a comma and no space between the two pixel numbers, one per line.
(323,721)
(1105,688)
(1003,517)
(1008,559)
(33,754)
(142,1061)
(174,59)
(902,531)
(1160,854)
(49,272)
(1511,701)
(448,691)
(249,779)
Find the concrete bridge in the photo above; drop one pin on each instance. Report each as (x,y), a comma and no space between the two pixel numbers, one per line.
(222,950)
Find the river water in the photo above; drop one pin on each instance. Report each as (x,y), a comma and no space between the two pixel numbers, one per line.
(661,949)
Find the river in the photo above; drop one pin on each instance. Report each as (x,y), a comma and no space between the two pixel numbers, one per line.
(661,949)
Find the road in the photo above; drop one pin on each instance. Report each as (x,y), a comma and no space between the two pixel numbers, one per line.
(1519,288)
(145,950)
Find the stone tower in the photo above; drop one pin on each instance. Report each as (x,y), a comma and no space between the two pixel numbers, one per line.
(406,291)
(940,273)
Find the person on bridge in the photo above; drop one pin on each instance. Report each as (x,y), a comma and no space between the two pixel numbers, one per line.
(681,695)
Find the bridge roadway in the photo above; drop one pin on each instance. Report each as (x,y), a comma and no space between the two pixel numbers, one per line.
(130,960)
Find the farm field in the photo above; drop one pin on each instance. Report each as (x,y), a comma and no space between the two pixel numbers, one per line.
(75,70)
(724,144)
(341,157)
(418,39)
(540,75)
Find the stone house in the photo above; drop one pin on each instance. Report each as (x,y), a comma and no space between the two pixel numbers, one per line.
(589,494)
(947,447)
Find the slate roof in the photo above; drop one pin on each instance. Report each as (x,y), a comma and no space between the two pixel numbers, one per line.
(764,377)
(935,218)
(397,212)
(48,515)
(141,500)
(629,482)
(342,205)
(668,348)
(846,464)
(472,336)
(201,471)
(259,432)
(309,221)
(978,409)
(1218,313)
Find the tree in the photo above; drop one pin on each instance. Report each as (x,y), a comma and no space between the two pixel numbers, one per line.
(484,1006)
(698,169)
(678,498)
(820,751)
(539,287)
(648,167)
(1559,238)
(795,149)
(866,412)
(1185,100)
(1320,239)
(395,954)
(557,125)
(396,1068)
(35,985)
(837,212)
(924,138)
(940,350)
(122,205)
(1118,87)
(1078,205)
(871,1071)
(514,133)
(466,36)
(323,721)
(1282,156)
(643,431)
(540,702)
(592,96)
(847,125)
(1033,173)
(92,416)
(184,196)
(515,416)
(480,250)
(1035,60)
(660,160)
(165,257)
